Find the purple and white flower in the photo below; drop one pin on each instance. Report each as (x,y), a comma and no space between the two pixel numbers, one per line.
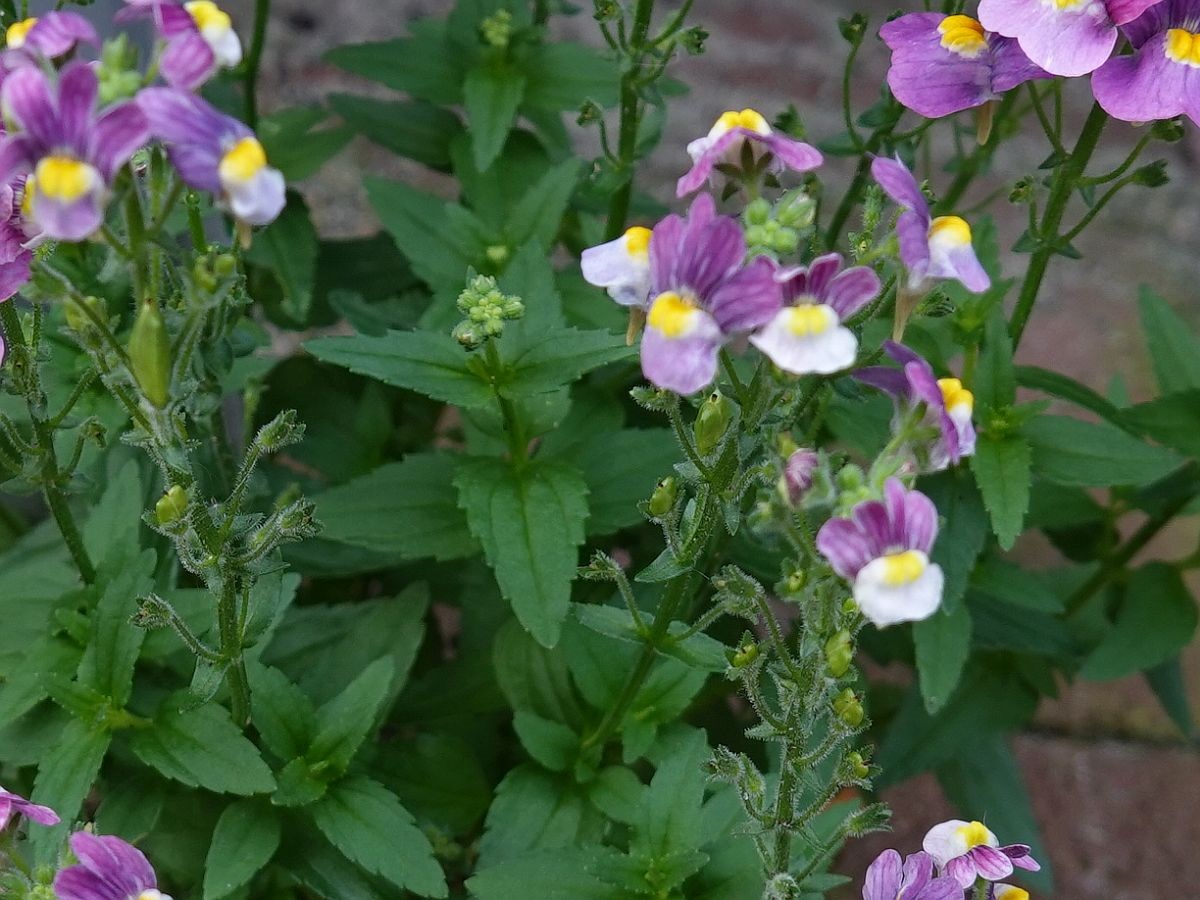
(798,472)
(50,35)
(888,879)
(965,851)
(1159,80)
(930,247)
(71,152)
(944,64)
(807,334)
(621,267)
(15,244)
(12,805)
(216,153)
(109,869)
(948,406)
(1002,891)
(883,550)
(199,38)
(724,141)
(701,295)
(1064,37)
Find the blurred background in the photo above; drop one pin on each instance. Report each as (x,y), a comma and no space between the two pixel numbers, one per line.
(1114,784)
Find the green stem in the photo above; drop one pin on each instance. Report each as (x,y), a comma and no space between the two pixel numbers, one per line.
(630,118)
(514,425)
(1065,180)
(262,10)
(977,160)
(231,650)
(785,802)
(135,226)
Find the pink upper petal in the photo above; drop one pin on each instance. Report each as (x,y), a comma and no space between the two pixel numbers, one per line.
(883,877)
(77,89)
(27,98)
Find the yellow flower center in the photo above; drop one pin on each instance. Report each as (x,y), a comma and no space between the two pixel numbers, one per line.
(1067,4)
(18,31)
(27,197)
(962,35)
(242,161)
(672,314)
(903,568)
(956,397)
(974,834)
(749,119)
(1009,892)
(637,241)
(950,229)
(809,320)
(63,178)
(207,15)
(1183,47)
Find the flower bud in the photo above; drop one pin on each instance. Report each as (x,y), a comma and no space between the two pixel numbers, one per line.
(795,581)
(743,656)
(716,412)
(758,212)
(848,708)
(171,506)
(497,29)
(78,319)
(225,264)
(663,498)
(839,653)
(798,474)
(857,766)
(150,354)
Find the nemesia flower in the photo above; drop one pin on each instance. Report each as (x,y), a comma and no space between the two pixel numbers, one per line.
(216,153)
(1001,891)
(109,869)
(929,248)
(965,851)
(798,473)
(15,252)
(199,35)
(723,143)
(887,879)
(883,549)
(944,64)
(11,804)
(1158,80)
(73,153)
(702,294)
(621,266)
(50,35)
(807,334)
(948,405)
(1064,37)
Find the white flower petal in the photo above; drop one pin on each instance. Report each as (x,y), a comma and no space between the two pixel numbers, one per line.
(885,603)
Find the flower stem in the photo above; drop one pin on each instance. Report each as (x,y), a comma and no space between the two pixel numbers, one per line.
(231,650)
(262,12)
(630,118)
(1065,180)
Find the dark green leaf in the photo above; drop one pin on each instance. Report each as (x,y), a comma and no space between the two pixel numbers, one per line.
(319,866)
(533,678)
(1004,626)
(962,532)
(112,527)
(622,468)
(288,248)
(345,721)
(943,642)
(1093,454)
(293,147)
(552,744)
(995,383)
(1167,682)
(438,777)
(1173,420)
(246,837)
(560,357)
(420,65)
(538,213)
(1003,471)
(1012,584)
(281,712)
(618,793)
(65,776)
(1174,349)
(567,874)
(417,130)
(535,809)
(670,819)
(1058,385)
(698,650)
(562,75)
(491,96)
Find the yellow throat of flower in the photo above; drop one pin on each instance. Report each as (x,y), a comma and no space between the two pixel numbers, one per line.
(243,161)
(950,230)
(1009,892)
(672,314)
(1183,47)
(637,241)
(208,16)
(750,119)
(27,197)
(962,35)
(62,178)
(974,834)
(18,31)
(957,398)
(1068,5)
(809,320)
(903,568)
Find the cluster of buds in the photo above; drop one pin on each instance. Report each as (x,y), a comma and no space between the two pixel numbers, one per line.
(485,308)
(775,230)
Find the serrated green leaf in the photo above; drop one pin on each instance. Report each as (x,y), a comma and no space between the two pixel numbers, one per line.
(534,679)
(618,793)
(288,249)
(1003,471)
(439,778)
(1093,454)
(246,837)
(1173,420)
(202,748)
(538,213)
(367,823)
(112,527)
(115,642)
(552,744)
(670,820)
(65,776)
(535,809)
(622,468)
(943,642)
(698,650)
(1174,349)
(491,96)
(294,147)
(297,785)
(420,65)
(530,523)
(1004,626)
(282,713)
(345,721)
(559,357)
(417,130)
(567,874)
(995,383)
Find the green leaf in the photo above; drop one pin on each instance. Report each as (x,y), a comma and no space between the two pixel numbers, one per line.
(962,533)
(64,778)
(113,525)
(367,823)
(530,523)
(995,382)
(622,468)
(552,744)
(562,75)
(417,130)
(491,96)
(288,248)
(112,651)
(671,820)
(1004,626)
(1174,349)
(1093,454)
(697,650)
(439,778)
(1173,420)
(943,642)
(282,713)
(430,364)
(201,747)
(618,793)
(420,65)
(560,357)
(1012,584)
(320,867)
(1167,682)
(293,147)
(1058,385)
(566,874)
(298,785)
(535,809)
(539,212)
(346,720)
(532,678)
(246,837)
(1156,620)
(1003,471)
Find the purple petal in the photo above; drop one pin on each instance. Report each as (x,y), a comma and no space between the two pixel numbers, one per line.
(888,380)
(118,863)
(795,155)
(940,889)
(14,274)
(923,385)
(684,365)
(26,97)
(962,264)
(1066,42)
(77,883)
(1148,85)
(873,521)
(665,242)
(704,164)
(77,90)
(43,815)
(929,78)
(1155,20)
(902,354)
(918,867)
(920,522)
(845,547)
(188,61)
(18,155)
(748,299)
(1021,856)
(57,32)
(170,17)
(851,290)
(883,877)
(821,273)
(962,870)
(72,221)
(1123,11)
(898,183)
(117,135)
(193,132)
(912,231)
(711,248)
(991,863)
(1010,66)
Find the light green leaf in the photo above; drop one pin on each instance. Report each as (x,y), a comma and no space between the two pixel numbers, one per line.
(1093,454)
(530,523)
(346,720)
(552,744)
(417,130)
(246,837)
(491,96)
(367,823)
(64,778)
(535,809)
(1174,349)
(698,650)
(618,793)
(1058,385)
(943,642)
(288,248)
(539,212)
(1003,471)
(420,65)
(622,468)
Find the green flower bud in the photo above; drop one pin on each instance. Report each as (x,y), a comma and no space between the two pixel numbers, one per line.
(848,708)
(758,212)
(497,29)
(850,478)
(225,265)
(150,354)
(663,498)
(497,254)
(839,653)
(692,40)
(795,209)
(849,606)
(78,319)
(743,656)
(716,412)
(795,581)
(857,766)
(171,506)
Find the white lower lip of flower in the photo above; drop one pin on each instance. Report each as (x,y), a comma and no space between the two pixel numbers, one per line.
(820,344)
(885,602)
(225,45)
(952,839)
(257,200)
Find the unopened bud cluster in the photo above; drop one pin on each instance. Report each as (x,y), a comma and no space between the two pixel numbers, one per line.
(486,308)
(775,230)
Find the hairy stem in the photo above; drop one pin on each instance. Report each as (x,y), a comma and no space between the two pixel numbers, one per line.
(630,118)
